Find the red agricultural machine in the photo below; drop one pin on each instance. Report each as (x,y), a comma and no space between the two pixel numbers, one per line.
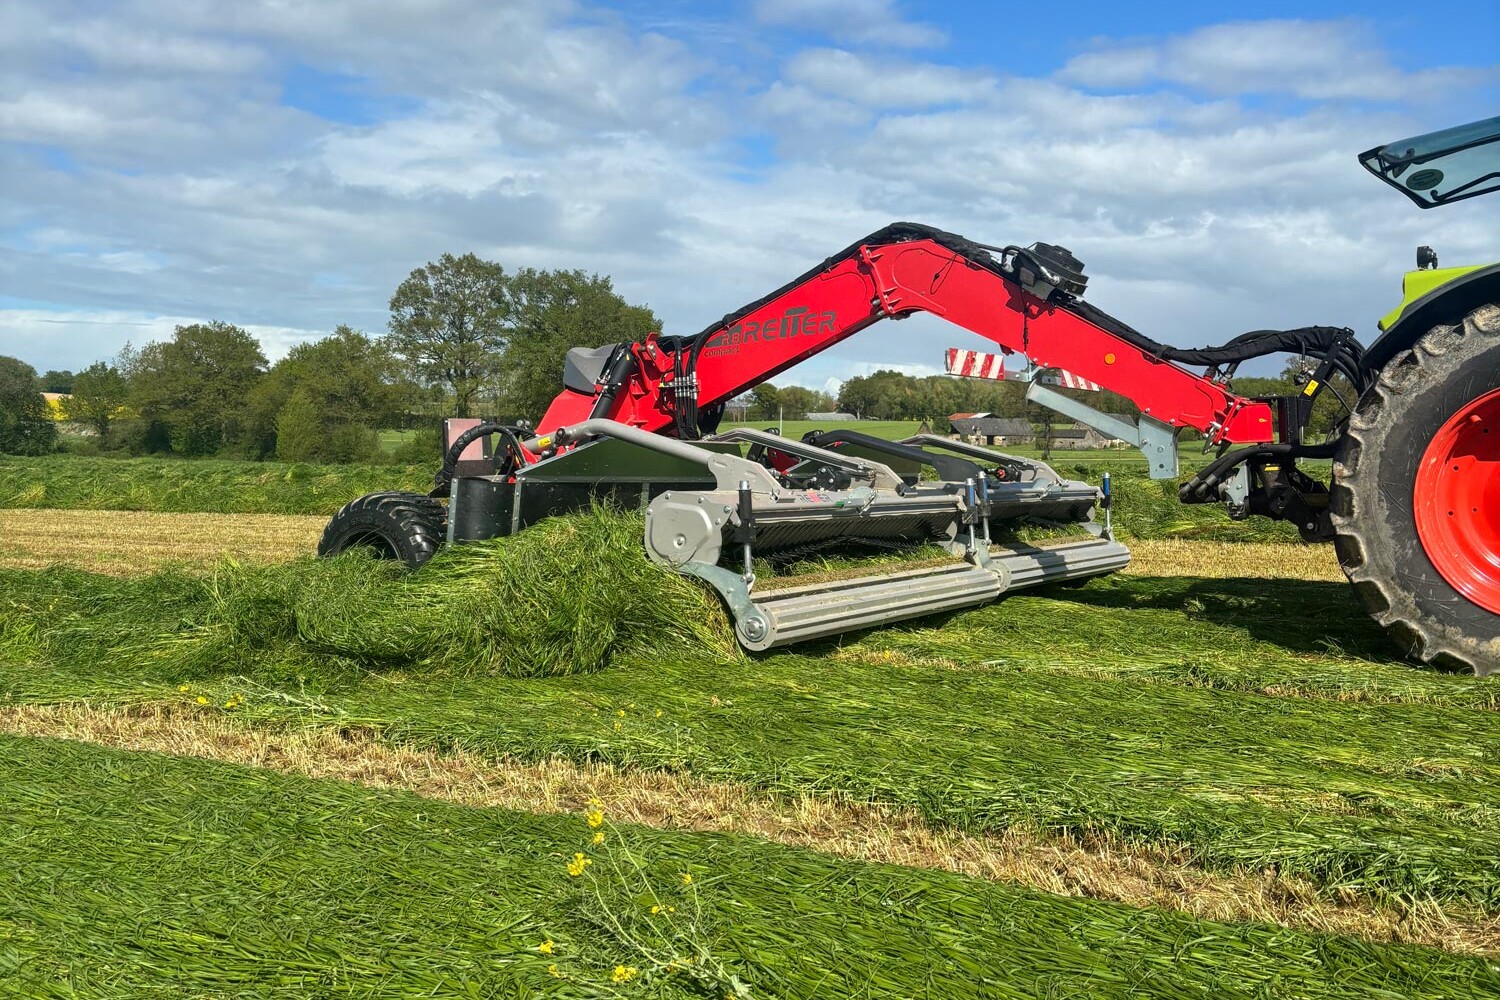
(1413,504)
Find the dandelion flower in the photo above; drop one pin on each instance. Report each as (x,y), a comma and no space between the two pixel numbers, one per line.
(655,908)
(595,818)
(578,864)
(687,878)
(598,837)
(184,687)
(553,970)
(623,973)
(545,947)
(620,712)
(658,713)
(202,700)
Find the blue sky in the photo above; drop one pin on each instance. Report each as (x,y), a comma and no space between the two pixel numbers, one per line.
(283,167)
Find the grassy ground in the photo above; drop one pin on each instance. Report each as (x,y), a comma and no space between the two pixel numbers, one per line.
(1132,707)
(132,542)
(1145,508)
(182,486)
(1220,732)
(128,872)
(1097,867)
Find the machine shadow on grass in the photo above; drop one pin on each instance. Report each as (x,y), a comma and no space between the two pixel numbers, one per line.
(1299,616)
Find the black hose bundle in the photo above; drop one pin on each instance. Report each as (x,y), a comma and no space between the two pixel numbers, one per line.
(503,466)
(1200,487)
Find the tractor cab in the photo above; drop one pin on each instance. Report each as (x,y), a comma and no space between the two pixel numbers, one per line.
(1441,167)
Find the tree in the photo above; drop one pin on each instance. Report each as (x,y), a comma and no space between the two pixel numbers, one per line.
(798,401)
(765,402)
(58,381)
(448,324)
(26,426)
(353,383)
(98,393)
(193,391)
(299,430)
(548,313)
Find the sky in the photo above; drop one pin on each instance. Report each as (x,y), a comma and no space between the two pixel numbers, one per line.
(282,165)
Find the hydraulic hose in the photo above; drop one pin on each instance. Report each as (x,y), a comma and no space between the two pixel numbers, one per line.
(1209,477)
(444,477)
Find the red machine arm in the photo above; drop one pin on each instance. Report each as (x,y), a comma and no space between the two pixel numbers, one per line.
(898,271)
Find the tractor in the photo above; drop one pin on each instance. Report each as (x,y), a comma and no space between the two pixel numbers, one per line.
(1412,504)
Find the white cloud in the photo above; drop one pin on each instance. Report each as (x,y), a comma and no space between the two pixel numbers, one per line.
(865,22)
(53,338)
(550,136)
(881,83)
(1318,60)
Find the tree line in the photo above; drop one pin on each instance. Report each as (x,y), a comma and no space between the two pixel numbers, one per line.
(465,337)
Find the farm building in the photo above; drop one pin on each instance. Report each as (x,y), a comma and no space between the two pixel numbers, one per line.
(982,428)
(1077,437)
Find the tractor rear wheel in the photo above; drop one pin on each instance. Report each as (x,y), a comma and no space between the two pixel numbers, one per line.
(404,526)
(1416,496)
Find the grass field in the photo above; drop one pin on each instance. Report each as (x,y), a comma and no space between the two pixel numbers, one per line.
(234,881)
(1145,508)
(1207,776)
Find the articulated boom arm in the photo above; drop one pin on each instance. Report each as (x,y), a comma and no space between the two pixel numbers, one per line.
(894,273)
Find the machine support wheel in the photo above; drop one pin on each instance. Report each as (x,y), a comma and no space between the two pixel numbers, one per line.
(1416,496)
(404,526)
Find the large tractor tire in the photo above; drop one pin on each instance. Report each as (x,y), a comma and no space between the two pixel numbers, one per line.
(405,526)
(1416,496)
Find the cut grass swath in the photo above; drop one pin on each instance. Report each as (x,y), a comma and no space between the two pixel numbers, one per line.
(128,873)
(492,606)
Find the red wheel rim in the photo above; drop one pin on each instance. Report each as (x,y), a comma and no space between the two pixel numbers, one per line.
(1457,501)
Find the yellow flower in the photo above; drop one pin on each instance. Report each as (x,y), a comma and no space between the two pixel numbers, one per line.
(623,973)
(545,947)
(656,908)
(599,837)
(658,713)
(620,712)
(618,727)
(578,864)
(184,687)
(553,970)
(687,878)
(202,700)
(595,817)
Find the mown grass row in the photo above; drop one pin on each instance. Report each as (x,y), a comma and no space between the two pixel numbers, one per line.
(563,597)
(980,724)
(66,482)
(1146,508)
(130,874)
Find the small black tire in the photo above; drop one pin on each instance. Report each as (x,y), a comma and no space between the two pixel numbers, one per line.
(1372,503)
(405,526)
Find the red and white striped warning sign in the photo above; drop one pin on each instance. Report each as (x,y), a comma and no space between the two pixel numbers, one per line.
(979,364)
(1070,381)
(975,364)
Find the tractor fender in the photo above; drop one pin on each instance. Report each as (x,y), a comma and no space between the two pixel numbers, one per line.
(1445,305)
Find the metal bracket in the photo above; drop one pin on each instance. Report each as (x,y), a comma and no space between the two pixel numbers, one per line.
(1156,440)
(748,620)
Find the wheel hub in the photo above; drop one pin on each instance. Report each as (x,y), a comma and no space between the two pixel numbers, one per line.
(1456,500)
